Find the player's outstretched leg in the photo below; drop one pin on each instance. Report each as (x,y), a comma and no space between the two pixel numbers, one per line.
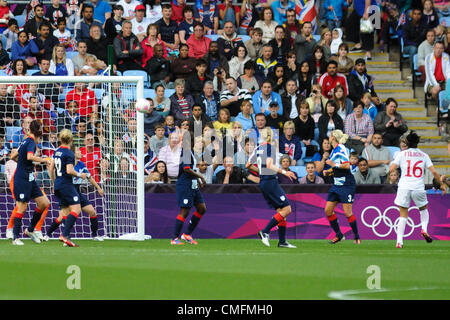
(329,211)
(424,219)
(195,219)
(70,222)
(352,221)
(179,226)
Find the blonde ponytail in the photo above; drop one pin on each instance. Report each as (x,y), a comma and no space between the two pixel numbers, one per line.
(340,136)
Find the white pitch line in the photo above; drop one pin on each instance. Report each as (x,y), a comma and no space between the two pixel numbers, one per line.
(352,294)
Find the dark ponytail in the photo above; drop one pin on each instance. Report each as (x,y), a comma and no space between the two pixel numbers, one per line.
(36,128)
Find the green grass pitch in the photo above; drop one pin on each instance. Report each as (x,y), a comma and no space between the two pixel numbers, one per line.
(225,269)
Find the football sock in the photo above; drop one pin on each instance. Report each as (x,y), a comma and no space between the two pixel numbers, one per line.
(335,225)
(401,229)
(42,220)
(352,221)
(71,218)
(17,225)
(94,226)
(53,226)
(276,219)
(11,219)
(194,222)
(178,226)
(424,218)
(282,231)
(35,219)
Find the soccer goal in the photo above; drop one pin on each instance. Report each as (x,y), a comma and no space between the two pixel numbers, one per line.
(108,134)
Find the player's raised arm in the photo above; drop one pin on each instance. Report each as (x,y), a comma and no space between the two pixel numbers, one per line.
(97,186)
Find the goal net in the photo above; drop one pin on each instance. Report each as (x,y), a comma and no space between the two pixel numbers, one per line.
(109,140)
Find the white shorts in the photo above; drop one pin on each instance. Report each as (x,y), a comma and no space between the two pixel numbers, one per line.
(404,197)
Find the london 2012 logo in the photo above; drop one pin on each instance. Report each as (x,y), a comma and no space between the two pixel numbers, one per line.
(382,225)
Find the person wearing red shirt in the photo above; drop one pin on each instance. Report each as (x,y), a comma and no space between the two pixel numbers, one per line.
(91,156)
(330,79)
(87,102)
(177,10)
(149,42)
(197,42)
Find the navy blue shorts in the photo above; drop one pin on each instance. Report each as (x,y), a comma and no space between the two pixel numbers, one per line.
(67,196)
(188,197)
(83,199)
(25,190)
(342,194)
(273,193)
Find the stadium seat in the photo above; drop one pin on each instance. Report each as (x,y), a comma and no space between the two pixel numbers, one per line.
(4,42)
(10,133)
(415,73)
(169,92)
(140,73)
(21,20)
(71,54)
(30,72)
(299,170)
(392,36)
(393,150)
(245,38)
(118,73)
(98,94)
(2,168)
(149,93)
(443,106)
(316,37)
(403,56)
(3,73)
(218,169)
(213,37)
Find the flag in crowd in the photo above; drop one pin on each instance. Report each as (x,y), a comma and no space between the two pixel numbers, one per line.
(306,11)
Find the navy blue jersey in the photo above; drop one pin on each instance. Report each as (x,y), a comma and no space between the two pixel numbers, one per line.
(25,167)
(62,157)
(260,156)
(187,161)
(342,177)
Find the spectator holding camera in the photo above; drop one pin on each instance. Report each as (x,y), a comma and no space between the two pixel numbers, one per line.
(390,124)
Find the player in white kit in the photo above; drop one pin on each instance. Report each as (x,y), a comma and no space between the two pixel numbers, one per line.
(412,163)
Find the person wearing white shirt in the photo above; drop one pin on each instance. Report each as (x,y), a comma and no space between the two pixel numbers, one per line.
(129,7)
(140,23)
(425,48)
(153,10)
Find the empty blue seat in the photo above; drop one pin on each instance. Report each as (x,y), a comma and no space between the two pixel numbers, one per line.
(213,37)
(316,37)
(149,93)
(98,94)
(393,150)
(21,20)
(10,131)
(30,72)
(139,73)
(245,38)
(299,170)
(169,92)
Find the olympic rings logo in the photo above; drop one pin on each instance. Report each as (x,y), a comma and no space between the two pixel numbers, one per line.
(387,221)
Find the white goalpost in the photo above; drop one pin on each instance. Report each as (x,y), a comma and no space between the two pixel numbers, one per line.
(108,132)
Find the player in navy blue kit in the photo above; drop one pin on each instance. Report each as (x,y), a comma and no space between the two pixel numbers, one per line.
(264,155)
(344,187)
(61,172)
(188,193)
(25,185)
(86,206)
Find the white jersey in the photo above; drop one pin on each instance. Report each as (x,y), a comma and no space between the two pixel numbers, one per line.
(412,163)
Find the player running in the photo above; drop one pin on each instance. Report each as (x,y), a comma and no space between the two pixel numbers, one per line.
(344,186)
(25,186)
(264,155)
(61,172)
(86,206)
(188,193)
(412,163)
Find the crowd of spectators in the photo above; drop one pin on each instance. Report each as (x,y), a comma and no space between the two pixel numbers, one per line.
(232,69)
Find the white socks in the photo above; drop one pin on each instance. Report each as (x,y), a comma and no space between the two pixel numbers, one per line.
(424,218)
(401,229)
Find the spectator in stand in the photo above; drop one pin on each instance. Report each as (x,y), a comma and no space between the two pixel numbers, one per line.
(317,63)
(233,97)
(437,70)
(359,128)
(240,58)
(413,33)
(369,107)
(181,103)
(32,25)
(194,84)
(45,41)
(447,49)
(149,43)
(365,175)
(10,34)
(171,155)
(277,78)
(140,22)
(9,110)
(248,80)
(325,42)
(280,9)
(246,118)
(158,68)
(113,25)
(82,27)
(64,35)
(285,163)
(345,64)
(320,159)
(378,157)
(391,10)
(329,121)
(304,42)
(291,25)
(289,99)
(393,177)
(69,119)
(20,135)
(186,26)
(79,60)
(264,97)
(209,100)
(91,156)
(102,10)
(223,122)
(430,16)
(153,10)
(87,102)
(305,79)
(207,14)
(127,49)
(304,128)
(158,140)
(311,177)
(280,45)
(344,104)
(168,30)
(129,8)
(265,64)
(248,16)
(291,67)
(232,174)
(254,45)
(228,12)
(198,120)
(215,60)
(316,102)
(229,40)
(359,82)
(54,11)
(151,118)
(290,144)
(60,65)
(177,9)
(162,103)
(334,12)
(4,58)
(390,124)
(267,24)
(425,48)
(275,120)
(364,41)
(197,42)
(183,65)
(330,79)
(97,44)
(24,49)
